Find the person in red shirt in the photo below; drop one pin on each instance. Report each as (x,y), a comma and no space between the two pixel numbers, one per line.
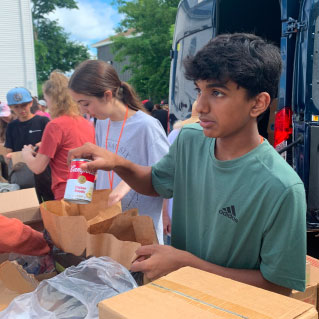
(67,130)
(15,237)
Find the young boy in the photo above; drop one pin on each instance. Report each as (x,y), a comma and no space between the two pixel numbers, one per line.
(239,209)
(27,129)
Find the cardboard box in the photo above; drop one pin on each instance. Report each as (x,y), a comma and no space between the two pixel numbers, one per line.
(14,281)
(311,294)
(22,204)
(190,293)
(16,158)
(3,150)
(314,269)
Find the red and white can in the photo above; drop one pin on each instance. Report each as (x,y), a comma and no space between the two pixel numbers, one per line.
(80,184)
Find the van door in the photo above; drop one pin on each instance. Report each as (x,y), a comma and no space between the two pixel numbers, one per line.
(306,106)
(283,121)
(193,29)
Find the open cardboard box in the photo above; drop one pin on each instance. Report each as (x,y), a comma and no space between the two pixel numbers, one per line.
(311,294)
(95,230)
(16,158)
(21,204)
(14,281)
(3,150)
(190,293)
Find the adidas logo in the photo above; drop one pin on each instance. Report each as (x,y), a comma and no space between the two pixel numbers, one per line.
(229,212)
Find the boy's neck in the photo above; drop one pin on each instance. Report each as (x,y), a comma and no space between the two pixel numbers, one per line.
(235,146)
(24,119)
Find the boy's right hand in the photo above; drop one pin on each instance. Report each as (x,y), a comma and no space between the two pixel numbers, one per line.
(101,158)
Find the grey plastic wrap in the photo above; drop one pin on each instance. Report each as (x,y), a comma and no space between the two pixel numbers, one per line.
(73,294)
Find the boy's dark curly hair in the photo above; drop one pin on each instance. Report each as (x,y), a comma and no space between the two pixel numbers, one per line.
(243,58)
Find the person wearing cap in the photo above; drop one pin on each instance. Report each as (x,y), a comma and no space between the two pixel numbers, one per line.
(27,129)
(42,107)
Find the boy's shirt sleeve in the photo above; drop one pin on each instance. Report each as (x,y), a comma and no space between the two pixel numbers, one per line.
(19,238)
(283,251)
(51,139)
(163,172)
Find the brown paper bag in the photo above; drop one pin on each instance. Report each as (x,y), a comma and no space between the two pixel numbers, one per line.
(67,223)
(100,231)
(120,237)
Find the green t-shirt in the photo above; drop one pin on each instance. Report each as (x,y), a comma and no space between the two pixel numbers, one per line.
(247,213)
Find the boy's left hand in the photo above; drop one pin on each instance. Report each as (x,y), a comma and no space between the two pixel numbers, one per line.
(158,260)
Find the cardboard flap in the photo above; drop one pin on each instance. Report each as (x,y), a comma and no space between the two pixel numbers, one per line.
(16,159)
(108,245)
(16,279)
(19,200)
(21,204)
(3,150)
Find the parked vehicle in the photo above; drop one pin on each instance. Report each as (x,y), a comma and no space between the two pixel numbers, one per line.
(292,123)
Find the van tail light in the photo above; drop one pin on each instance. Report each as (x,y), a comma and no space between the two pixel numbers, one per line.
(283,127)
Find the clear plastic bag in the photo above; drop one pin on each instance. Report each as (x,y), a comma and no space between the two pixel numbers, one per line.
(73,294)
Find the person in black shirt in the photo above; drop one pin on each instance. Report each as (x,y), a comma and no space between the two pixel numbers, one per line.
(158,113)
(27,129)
(20,133)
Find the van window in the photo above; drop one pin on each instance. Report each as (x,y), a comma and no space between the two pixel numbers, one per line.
(315,67)
(184,90)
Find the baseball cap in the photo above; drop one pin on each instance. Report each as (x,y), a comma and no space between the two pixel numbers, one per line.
(42,102)
(4,110)
(18,96)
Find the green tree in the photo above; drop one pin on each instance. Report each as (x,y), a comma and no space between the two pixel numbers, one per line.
(148,51)
(53,47)
(42,7)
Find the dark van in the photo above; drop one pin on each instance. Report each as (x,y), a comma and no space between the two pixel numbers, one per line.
(292,122)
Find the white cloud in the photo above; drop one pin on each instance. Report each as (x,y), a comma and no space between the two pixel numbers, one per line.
(92,22)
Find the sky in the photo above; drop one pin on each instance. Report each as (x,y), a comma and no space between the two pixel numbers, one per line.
(94,21)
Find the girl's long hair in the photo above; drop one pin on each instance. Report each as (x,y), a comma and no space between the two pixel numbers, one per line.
(57,89)
(3,128)
(94,77)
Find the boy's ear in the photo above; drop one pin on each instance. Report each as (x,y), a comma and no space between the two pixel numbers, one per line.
(262,101)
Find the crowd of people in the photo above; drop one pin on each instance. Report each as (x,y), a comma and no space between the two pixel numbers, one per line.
(238,209)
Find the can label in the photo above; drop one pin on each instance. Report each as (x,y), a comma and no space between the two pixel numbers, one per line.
(80,184)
